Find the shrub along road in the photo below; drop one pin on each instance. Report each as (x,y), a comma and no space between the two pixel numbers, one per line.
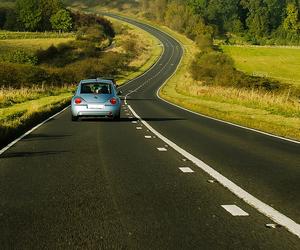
(104,185)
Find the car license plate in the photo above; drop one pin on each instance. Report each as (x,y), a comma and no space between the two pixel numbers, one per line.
(95,106)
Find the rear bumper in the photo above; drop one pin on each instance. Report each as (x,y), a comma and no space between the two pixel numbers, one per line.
(108,111)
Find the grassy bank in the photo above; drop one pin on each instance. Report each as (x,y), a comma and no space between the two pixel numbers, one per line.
(276,113)
(27,107)
(273,113)
(281,63)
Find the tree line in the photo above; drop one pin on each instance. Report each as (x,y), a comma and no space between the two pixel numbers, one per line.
(256,21)
(35,15)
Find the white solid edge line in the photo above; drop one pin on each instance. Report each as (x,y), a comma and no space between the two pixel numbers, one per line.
(230,123)
(209,117)
(262,207)
(30,131)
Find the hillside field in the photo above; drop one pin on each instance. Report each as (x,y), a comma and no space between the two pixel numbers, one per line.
(280,63)
(30,41)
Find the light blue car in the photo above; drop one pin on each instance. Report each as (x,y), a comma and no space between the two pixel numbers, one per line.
(96,98)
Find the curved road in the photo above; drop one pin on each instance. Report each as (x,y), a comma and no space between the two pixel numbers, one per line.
(98,184)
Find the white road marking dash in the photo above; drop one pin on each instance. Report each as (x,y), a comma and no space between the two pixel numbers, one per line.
(139,128)
(162,149)
(148,136)
(186,170)
(235,210)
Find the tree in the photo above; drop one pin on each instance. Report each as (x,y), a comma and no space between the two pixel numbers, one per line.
(175,16)
(48,8)
(11,22)
(29,14)
(258,21)
(159,9)
(291,21)
(61,21)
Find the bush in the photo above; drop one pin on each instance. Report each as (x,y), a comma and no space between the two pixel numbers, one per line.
(86,20)
(17,75)
(215,68)
(21,57)
(212,67)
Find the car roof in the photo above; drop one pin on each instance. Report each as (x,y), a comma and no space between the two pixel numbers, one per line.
(102,80)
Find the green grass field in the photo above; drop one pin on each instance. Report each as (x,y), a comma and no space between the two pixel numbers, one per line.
(30,41)
(280,63)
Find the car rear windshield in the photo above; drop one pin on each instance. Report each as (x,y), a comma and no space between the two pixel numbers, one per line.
(96,88)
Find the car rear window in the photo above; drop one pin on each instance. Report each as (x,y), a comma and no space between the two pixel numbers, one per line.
(95,88)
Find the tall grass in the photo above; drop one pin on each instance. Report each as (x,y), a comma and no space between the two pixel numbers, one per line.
(12,96)
(10,35)
(16,119)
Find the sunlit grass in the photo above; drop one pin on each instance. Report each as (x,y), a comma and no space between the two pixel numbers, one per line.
(29,45)
(17,118)
(279,63)
(11,96)
(33,35)
(13,115)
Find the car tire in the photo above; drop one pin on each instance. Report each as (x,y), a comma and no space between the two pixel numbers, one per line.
(75,118)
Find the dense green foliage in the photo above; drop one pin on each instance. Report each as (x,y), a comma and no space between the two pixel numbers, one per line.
(31,15)
(255,21)
(61,21)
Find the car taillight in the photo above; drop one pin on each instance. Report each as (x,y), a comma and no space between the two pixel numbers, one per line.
(113,101)
(78,100)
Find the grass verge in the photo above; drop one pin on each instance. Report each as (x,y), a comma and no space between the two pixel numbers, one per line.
(18,118)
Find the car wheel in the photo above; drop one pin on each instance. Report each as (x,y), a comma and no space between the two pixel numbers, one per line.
(75,118)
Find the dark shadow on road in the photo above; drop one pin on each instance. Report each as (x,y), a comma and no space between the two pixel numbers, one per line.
(125,119)
(31,154)
(141,99)
(33,137)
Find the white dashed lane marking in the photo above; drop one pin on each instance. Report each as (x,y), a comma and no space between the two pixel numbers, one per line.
(235,210)
(139,128)
(162,149)
(148,136)
(186,170)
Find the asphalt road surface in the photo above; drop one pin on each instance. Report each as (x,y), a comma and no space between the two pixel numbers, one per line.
(97,184)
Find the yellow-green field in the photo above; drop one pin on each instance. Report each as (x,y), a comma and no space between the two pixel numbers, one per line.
(279,63)
(30,45)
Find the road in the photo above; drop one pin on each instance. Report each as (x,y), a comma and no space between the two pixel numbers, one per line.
(97,184)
